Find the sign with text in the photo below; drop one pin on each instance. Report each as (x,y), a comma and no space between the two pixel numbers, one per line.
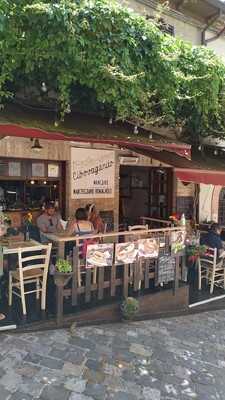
(166,269)
(92,173)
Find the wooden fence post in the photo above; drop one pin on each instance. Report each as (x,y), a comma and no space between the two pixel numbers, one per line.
(75,275)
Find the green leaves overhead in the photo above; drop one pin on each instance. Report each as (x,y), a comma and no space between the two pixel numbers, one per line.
(129,66)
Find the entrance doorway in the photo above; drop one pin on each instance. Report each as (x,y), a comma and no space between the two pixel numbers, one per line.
(145,192)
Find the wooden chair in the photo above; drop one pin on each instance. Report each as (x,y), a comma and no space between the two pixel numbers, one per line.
(33,269)
(211,269)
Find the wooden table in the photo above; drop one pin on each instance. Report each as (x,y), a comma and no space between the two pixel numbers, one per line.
(60,239)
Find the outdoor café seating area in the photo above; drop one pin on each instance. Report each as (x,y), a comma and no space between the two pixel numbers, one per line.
(62,275)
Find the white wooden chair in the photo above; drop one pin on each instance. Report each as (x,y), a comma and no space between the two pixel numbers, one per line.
(211,269)
(33,269)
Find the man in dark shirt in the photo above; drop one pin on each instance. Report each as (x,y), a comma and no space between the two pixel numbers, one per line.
(212,239)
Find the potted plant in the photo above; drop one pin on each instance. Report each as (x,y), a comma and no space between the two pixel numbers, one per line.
(63,270)
(129,308)
(174,218)
(195,251)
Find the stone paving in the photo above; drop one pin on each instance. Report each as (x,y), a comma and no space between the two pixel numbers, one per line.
(178,358)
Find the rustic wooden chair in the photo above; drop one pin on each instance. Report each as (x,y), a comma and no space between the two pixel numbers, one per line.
(33,269)
(211,269)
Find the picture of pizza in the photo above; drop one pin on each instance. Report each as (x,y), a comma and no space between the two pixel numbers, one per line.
(148,248)
(126,253)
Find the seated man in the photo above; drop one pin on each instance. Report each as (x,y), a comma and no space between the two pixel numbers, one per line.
(212,239)
(49,221)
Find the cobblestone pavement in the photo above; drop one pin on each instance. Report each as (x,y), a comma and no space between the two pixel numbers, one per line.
(169,359)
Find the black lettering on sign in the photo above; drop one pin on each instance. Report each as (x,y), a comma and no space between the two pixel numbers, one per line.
(92,171)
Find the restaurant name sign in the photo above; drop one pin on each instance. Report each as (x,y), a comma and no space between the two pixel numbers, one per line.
(92,173)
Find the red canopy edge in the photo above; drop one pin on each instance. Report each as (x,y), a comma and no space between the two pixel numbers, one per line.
(181,149)
(201,176)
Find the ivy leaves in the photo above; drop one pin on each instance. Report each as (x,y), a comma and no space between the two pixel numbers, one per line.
(131,69)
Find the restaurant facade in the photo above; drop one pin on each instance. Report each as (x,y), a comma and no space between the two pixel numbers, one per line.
(133,179)
(121,182)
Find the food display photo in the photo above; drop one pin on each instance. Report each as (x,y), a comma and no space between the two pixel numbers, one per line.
(99,255)
(126,253)
(178,242)
(148,248)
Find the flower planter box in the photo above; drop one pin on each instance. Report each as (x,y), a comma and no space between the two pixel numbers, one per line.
(60,278)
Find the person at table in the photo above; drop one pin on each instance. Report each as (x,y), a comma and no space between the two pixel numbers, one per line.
(49,221)
(94,218)
(80,225)
(212,239)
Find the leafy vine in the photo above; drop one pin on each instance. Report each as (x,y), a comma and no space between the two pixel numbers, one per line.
(56,50)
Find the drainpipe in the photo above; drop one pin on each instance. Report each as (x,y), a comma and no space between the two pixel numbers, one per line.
(210,22)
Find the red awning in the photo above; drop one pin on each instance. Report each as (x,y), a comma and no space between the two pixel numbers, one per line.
(208,177)
(180,149)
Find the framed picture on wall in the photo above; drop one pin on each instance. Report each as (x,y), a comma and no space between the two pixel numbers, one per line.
(53,170)
(38,169)
(4,168)
(14,168)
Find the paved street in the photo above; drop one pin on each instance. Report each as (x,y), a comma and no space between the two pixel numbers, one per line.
(178,358)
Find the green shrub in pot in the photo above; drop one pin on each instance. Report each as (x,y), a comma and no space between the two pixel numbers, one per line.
(63,266)
(129,308)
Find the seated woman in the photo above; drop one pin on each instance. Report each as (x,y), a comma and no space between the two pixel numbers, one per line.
(95,218)
(80,224)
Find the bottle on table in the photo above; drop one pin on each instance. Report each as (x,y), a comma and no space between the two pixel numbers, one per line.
(26,234)
(183,220)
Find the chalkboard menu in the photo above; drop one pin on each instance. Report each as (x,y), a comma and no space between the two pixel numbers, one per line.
(166,269)
(108,218)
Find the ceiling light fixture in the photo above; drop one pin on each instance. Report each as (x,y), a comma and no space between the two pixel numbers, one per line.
(36,146)
(135,130)
(44,87)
